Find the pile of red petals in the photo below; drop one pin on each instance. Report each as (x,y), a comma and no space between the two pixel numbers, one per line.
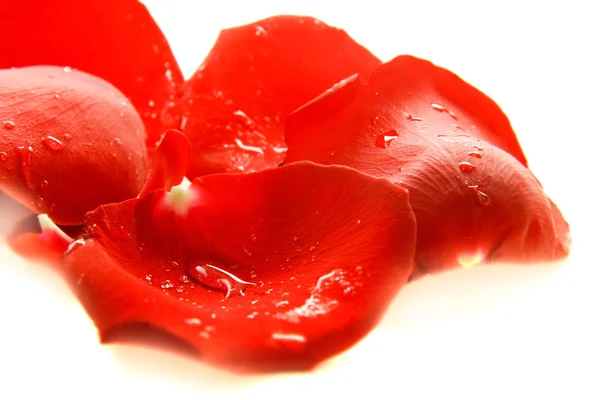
(322,180)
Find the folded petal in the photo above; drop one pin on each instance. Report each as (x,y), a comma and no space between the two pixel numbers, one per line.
(235,106)
(116,40)
(422,127)
(169,163)
(271,270)
(71,142)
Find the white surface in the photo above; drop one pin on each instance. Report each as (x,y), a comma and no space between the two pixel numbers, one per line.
(501,332)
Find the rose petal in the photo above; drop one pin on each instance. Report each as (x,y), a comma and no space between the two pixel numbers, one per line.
(169,163)
(413,124)
(116,40)
(43,242)
(319,247)
(71,142)
(234,108)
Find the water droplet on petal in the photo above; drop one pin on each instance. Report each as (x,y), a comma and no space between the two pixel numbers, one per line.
(25,153)
(67,69)
(474,154)
(468,260)
(166,284)
(184,279)
(441,108)
(477,147)
(193,321)
(483,198)
(67,137)
(44,186)
(293,341)
(9,125)
(410,117)
(385,140)
(3,156)
(466,167)
(253,149)
(149,277)
(260,31)
(210,275)
(53,143)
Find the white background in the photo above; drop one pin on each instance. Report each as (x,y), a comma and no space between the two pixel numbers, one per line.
(506,332)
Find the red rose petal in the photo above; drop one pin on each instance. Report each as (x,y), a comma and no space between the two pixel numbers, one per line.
(317,251)
(116,40)
(72,142)
(169,163)
(234,108)
(47,246)
(413,124)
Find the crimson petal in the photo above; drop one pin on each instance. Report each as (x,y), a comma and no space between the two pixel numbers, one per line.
(318,252)
(116,40)
(234,108)
(71,142)
(169,163)
(421,126)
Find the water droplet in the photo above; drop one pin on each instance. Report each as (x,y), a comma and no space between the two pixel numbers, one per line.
(474,154)
(483,198)
(477,147)
(330,153)
(53,143)
(260,31)
(25,153)
(67,137)
(410,117)
(192,321)
(253,149)
(293,341)
(466,167)
(385,140)
(3,156)
(210,275)
(166,284)
(56,95)
(280,150)
(44,186)
(441,108)
(151,103)
(468,260)
(67,69)
(9,125)
(184,279)
(41,202)
(149,277)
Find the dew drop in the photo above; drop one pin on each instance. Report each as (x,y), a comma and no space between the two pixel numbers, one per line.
(166,284)
(184,279)
(466,167)
(9,125)
(483,198)
(385,140)
(252,149)
(477,147)
(293,341)
(53,143)
(475,154)
(410,117)
(67,69)
(212,276)
(149,277)
(44,186)
(260,31)
(192,321)
(67,137)
(441,108)
(151,103)
(25,153)
(3,156)
(468,260)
